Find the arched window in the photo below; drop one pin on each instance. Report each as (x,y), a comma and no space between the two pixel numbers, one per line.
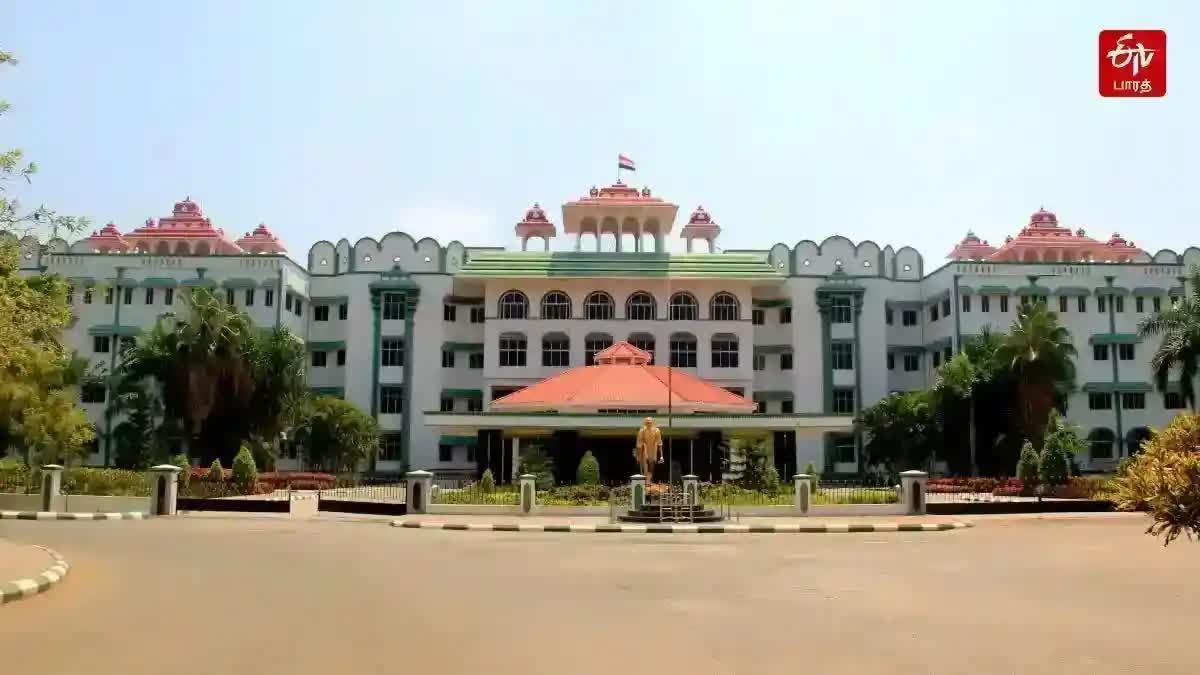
(598,305)
(683,350)
(724,351)
(645,342)
(1135,438)
(1100,443)
(556,350)
(595,342)
(640,307)
(723,307)
(684,307)
(513,305)
(512,349)
(556,305)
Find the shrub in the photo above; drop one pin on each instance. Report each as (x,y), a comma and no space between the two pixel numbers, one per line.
(575,495)
(588,472)
(1027,466)
(292,479)
(216,474)
(1165,480)
(759,473)
(245,471)
(535,461)
(487,482)
(105,482)
(185,469)
(1053,468)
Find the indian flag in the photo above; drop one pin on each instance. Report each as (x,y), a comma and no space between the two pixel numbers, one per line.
(624,162)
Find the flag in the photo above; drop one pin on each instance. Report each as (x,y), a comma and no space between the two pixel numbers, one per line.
(624,162)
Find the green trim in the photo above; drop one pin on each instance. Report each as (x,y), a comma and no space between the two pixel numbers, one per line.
(340,392)
(1176,292)
(994,289)
(1114,339)
(111,396)
(771,302)
(463,393)
(773,395)
(1111,290)
(958,343)
(857,303)
(329,299)
(458,440)
(918,305)
(964,290)
(1033,289)
(1116,387)
(120,282)
(326,346)
(772,349)
(1116,372)
(1072,291)
(461,300)
(936,298)
(411,298)
(278,298)
(824,307)
(239,282)
(198,283)
(375,340)
(121,331)
(906,349)
(516,265)
(159,282)
(1149,290)
(82,282)
(939,344)
(462,346)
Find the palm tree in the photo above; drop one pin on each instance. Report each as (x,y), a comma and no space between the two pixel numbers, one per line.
(1039,355)
(277,366)
(1179,327)
(963,375)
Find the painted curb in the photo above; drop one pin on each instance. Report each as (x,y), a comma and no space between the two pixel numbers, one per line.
(40,583)
(51,515)
(815,528)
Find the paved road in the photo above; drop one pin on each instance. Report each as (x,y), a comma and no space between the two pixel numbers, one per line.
(285,595)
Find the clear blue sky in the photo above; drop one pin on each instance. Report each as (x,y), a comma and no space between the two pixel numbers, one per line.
(900,122)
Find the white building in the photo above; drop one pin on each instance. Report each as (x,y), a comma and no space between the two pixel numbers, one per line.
(424,335)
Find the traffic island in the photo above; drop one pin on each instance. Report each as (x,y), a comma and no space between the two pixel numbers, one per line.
(686,528)
(32,570)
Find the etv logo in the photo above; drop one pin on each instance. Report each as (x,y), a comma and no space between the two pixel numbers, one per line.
(1133,63)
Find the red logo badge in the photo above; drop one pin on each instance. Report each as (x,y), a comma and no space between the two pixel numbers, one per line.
(1133,63)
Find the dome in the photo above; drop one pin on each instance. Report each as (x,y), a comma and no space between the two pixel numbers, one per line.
(536,214)
(700,217)
(1117,240)
(1043,218)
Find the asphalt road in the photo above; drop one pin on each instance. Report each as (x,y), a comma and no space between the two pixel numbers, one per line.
(278,595)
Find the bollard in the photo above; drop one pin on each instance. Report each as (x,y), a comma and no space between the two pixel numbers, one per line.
(51,486)
(912,490)
(803,483)
(528,493)
(637,491)
(420,491)
(691,489)
(164,489)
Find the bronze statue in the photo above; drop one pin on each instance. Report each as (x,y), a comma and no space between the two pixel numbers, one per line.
(649,449)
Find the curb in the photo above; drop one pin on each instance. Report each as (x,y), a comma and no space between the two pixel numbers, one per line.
(40,583)
(816,528)
(51,515)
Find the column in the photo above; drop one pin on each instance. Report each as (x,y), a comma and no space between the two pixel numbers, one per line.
(689,244)
(411,297)
(516,458)
(420,491)
(620,236)
(524,243)
(52,484)
(164,489)
(691,489)
(637,491)
(528,493)
(803,483)
(912,491)
(114,348)
(546,244)
(375,338)
(638,245)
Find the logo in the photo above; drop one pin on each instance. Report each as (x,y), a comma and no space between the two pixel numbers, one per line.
(1133,63)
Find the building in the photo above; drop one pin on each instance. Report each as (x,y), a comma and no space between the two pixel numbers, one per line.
(432,338)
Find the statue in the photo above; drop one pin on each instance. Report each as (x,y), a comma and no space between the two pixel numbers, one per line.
(649,449)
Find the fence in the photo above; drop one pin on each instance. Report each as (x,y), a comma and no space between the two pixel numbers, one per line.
(371,488)
(458,491)
(825,493)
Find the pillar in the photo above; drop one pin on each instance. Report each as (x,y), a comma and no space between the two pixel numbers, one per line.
(516,458)
(912,491)
(164,489)
(524,244)
(658,242)
(420,491)
(637,491)
(528,493)
(691,489)
(620,236)
(689,244)
(638,245)
(579,241)
(546,244)
(51,485)
(803,483)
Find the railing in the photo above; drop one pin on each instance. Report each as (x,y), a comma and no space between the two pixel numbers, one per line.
(832,492)
(458,491)
(17,482)
(376,488)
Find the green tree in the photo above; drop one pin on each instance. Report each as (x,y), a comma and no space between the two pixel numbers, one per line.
(964,375)
(534,460)
(1164,479)
(1027,467)
(335,435)
(1039,354)
(216,472)
(487,482)
(588,471)
(759,471)
(277,363)
(245,472)
(136,437)
(1178,326)
(902,430)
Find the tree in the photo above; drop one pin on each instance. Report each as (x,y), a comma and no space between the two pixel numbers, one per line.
(1027,467)
(277,362)
(534,460)
(136,437)
(487,482)
(1065,441)
(902,430)
(1165,480)
(1040,356)
(588,471)
(245,472)
(1179,328)
(216,472)
(963,376)
(336,435)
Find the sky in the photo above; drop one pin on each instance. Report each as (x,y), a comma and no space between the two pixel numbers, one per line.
(906,123)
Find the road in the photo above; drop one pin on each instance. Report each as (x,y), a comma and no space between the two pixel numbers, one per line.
(287,595)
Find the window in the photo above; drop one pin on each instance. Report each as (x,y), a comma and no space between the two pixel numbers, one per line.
(446,405)
(891,361)
(760,361)
(933,312)
(645,342)
(449,312)
(87,296)
(343,312)
(70,295)
(100,344)
(445,453)
(149,296)
(92,392)
(758,317)
(1081,304)
(908,317)
(475,360)
(321,313)
(592,344)
(513,305)
(1062,304)
(1100,444)
(937,359)
(229,296)
(724,351)
(512,350)
(471,453)
(785,361)
(683,351)
(391,399)
(843,401)
(299,307)
(556,350)
(598,306)
(1004,303)
(556,305)
(912,363)
(640,307)
(843,450)
(108,296)
(249,297)
(128,295)
(1133,400)
(1157,304)
(785,315)
(888,316)
(447,358)
(393,306)
(946,307)
(842,355)
(1173,400)
(319,359)
(684,307)
(985,303)
(787,407)
(947,354)
(1125,352)
(760,406)
(501,392)
(841,310)
(476,315)
(1101,304)
(268,297)
(1119,303)
(474,405)
(1139,304)
(1099,352)
(1099,400)
(392,352)
(341,357)
(723,307)
(966,304)
(390,446)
